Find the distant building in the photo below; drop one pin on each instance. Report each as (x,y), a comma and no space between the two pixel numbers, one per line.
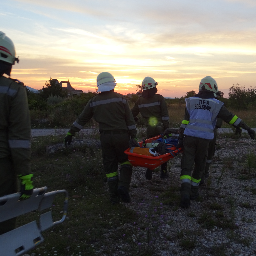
(70,90)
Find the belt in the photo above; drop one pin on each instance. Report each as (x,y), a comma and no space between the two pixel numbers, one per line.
(113,131)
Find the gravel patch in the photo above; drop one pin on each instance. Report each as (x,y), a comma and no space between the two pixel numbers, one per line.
(222,222)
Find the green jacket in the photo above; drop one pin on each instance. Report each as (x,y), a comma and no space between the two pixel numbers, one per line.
(110,110)
(153,109)
(15,129)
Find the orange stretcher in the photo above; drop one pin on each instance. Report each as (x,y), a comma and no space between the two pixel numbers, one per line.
(151,162)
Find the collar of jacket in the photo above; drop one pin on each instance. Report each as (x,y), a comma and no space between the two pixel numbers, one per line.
(205,95)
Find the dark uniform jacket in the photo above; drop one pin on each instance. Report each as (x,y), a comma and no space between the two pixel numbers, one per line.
(15,129)
(110,110)
(153,109)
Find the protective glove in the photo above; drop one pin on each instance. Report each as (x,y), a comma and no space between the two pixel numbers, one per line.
(68,139)
(168,132)
(26,186)
(251,133)
(134,143)
(238,131)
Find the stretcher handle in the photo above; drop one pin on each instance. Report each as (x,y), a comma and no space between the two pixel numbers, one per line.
(65,207)
(46,220)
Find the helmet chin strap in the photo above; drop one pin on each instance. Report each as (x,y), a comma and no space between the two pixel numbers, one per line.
(5,68)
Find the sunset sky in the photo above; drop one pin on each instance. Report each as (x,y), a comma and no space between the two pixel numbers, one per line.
(177,42)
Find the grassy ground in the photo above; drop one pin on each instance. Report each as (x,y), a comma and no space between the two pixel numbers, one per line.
(95,227)
(90,214)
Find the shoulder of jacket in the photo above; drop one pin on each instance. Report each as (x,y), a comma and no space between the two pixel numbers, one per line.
(119,95)
(159,96)
(10,81)
(17,81)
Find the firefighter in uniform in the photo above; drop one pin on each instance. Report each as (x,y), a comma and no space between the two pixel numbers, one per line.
(153,109)
(117,132)
(196,131)
(15,131)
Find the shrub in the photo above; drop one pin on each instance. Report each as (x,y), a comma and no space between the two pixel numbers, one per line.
(241,98)
(54,99)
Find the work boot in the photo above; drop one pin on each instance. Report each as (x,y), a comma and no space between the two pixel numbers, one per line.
(194,194)
(164,173)
(124,194)
(148,174)
(124,182)
(185,195)
(184,201)
(113,193)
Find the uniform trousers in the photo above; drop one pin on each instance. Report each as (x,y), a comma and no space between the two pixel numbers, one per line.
(8,185)
(195,151)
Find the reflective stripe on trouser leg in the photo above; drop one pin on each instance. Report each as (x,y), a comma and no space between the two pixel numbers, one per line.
(112,175)
(195,182)
(185,185)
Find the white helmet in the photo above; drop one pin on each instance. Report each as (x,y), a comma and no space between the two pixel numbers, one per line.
(209,84)
(105,82)
(148,83)
(7,49)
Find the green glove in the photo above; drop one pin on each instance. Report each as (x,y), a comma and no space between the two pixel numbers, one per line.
(68,139)
(169,131)
(26,186)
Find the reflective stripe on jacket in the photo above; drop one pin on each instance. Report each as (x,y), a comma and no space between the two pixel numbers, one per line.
(110,110)
(203,114)
(15,128)
(153,109)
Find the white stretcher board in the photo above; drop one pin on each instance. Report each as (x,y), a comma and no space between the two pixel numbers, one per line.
(22,239)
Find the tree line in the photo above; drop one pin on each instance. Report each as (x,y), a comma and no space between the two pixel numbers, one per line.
(52,107)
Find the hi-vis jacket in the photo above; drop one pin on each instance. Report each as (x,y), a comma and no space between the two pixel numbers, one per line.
(153,109)
(201,116)
(15,129)
(110,110)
